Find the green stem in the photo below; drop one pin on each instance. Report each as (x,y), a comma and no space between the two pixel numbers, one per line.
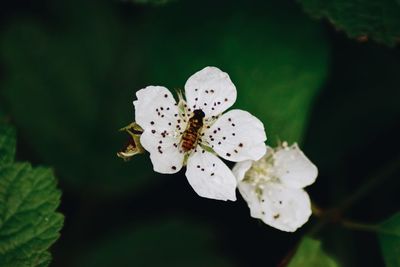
(334,215)
(316,211)
(359,226)
(372,183)
(367,227)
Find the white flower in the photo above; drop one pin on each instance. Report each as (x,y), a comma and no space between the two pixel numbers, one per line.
(273,186)
(236,136)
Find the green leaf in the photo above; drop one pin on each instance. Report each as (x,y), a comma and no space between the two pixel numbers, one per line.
(277,72)
(7,143)
(389,237)
(29,223)
(28,200)
(376,20)
(170,243)
(310,254)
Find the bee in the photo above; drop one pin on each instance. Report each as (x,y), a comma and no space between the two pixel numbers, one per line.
(191,134)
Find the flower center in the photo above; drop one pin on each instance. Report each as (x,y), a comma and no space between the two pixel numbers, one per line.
(261,172)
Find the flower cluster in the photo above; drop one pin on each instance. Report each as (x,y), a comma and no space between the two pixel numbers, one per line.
(194,132)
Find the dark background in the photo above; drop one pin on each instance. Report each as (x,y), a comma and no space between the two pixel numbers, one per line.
(68,75)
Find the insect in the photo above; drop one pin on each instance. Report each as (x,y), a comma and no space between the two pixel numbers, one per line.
(190,135)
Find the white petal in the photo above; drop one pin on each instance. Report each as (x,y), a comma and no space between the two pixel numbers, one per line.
(293,168)
(281,207)
(237,136)
(164,151)
(248,192)
(210,90)
(240,169)
(210,177)
(155,109)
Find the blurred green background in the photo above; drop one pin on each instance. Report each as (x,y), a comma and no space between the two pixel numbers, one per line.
(69,71)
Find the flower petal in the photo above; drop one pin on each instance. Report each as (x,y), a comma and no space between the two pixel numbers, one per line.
(240,169)
(293,168)
(210,90)
(155,109)
(278,206)
(164,151)
(237,136)
(210,177)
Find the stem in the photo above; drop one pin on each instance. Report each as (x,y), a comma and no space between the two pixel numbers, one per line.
(372,182)
(334,215)
(368,228)
(316,211)
(324,217)
(359,226)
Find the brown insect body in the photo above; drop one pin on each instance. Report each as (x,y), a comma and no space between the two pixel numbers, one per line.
(190,135)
